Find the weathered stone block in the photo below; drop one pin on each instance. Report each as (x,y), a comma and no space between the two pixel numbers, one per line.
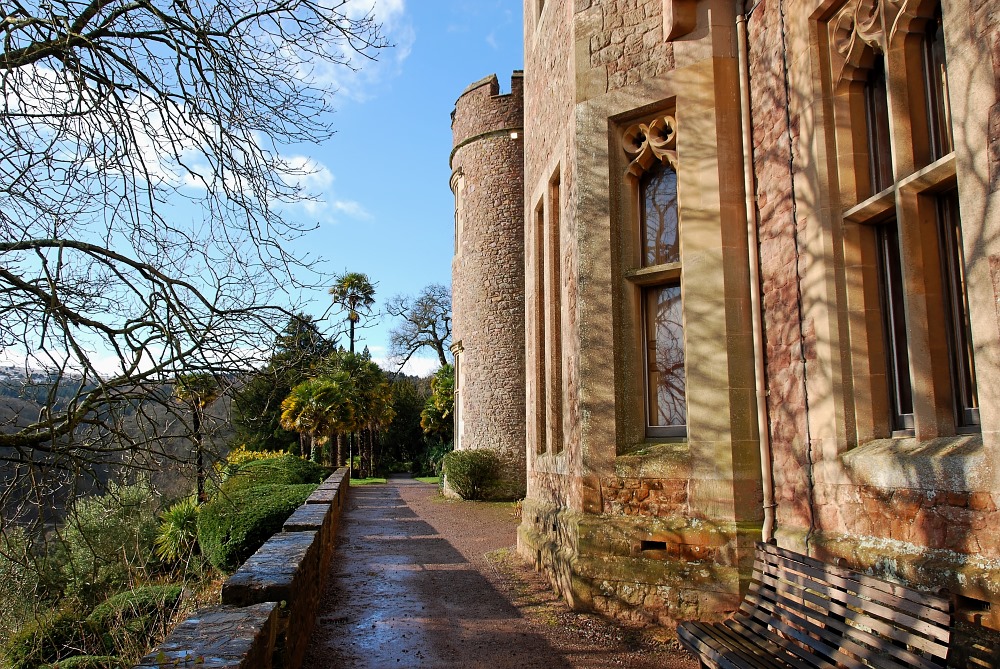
(319,518)
(224,636)
(286,568)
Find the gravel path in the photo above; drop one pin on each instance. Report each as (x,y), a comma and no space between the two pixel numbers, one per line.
(420,581)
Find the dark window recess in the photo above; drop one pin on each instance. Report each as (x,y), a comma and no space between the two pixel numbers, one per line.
(963,369)
(936,89)
(894,326)
(877,124)
(652,545)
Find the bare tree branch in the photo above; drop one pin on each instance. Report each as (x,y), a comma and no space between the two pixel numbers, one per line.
(144,233)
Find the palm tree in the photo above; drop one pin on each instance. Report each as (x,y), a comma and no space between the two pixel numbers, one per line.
(198,391)
(318,406)
(355,293)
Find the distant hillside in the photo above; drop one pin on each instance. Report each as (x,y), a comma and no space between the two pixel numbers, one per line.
(158,445)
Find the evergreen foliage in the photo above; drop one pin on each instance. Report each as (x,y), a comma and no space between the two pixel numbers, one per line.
(124,624)
(233,525)
(257,405)
(286,470)
(46,639)
(436,418)
(108,540)
(177,537)
(473,474)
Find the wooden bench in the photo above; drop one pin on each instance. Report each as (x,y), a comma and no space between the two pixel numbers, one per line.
(803,613)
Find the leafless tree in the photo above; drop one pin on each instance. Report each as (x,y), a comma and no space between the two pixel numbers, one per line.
(425,323)
(144,199)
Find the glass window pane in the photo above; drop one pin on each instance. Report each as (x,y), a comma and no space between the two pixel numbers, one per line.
(936,86)
(877,118)
(658,197)
(894,324)
(963,368)
(665,379)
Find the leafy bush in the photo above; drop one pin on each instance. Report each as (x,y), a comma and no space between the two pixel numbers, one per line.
(125,623)
(19,582)
(47,639)
(109,540)
(286,470)
(241,455)
(177,537)
(473,474)
(235,524)
(89,662)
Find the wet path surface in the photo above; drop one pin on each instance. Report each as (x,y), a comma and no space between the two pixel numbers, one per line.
(410,586)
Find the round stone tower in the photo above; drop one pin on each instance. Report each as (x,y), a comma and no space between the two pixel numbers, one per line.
(487,164)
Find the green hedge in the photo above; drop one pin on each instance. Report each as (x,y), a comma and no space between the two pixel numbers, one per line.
(473,474)
(234,525)
(47,639)
(286,470)
(125,623)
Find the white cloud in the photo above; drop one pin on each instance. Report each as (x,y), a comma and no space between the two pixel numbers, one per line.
(415,366)
(352,209)
(358,83)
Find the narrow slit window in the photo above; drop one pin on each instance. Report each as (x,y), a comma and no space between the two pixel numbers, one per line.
(877,122)
(659,216)
(936,88)
(665,377)
(963,369)
(897,361)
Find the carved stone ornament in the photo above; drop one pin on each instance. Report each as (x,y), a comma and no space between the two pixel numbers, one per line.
(647,143)
(680,17)
(864,27)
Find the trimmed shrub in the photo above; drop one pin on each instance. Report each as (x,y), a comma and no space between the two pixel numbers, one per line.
(125,623)
(89,662)
(47,639)
(234,525)
(473,474)
(286,470)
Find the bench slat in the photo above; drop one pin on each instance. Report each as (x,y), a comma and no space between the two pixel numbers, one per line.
(836,579)
(923,599)
(801,613)
(902,628)
(727,648)
(860,622)
(833,630)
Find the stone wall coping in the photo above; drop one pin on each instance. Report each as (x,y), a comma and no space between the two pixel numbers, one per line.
(323,496)
(290,567)
(308,517)
(270,573)
(221,636)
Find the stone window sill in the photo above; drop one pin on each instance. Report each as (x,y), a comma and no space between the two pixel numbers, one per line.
(667,459)
(947,463)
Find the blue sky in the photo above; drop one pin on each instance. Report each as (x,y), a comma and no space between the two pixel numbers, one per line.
(388,210)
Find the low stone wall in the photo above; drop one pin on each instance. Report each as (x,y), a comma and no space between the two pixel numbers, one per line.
(270,603)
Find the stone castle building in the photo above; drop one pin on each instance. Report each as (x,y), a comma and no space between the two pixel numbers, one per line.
(760,249)
(487,179)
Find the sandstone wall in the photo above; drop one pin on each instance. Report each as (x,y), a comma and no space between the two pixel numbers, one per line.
(488,273)
(919,508)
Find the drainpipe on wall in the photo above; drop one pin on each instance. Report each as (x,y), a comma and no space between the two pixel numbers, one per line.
(763,436)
